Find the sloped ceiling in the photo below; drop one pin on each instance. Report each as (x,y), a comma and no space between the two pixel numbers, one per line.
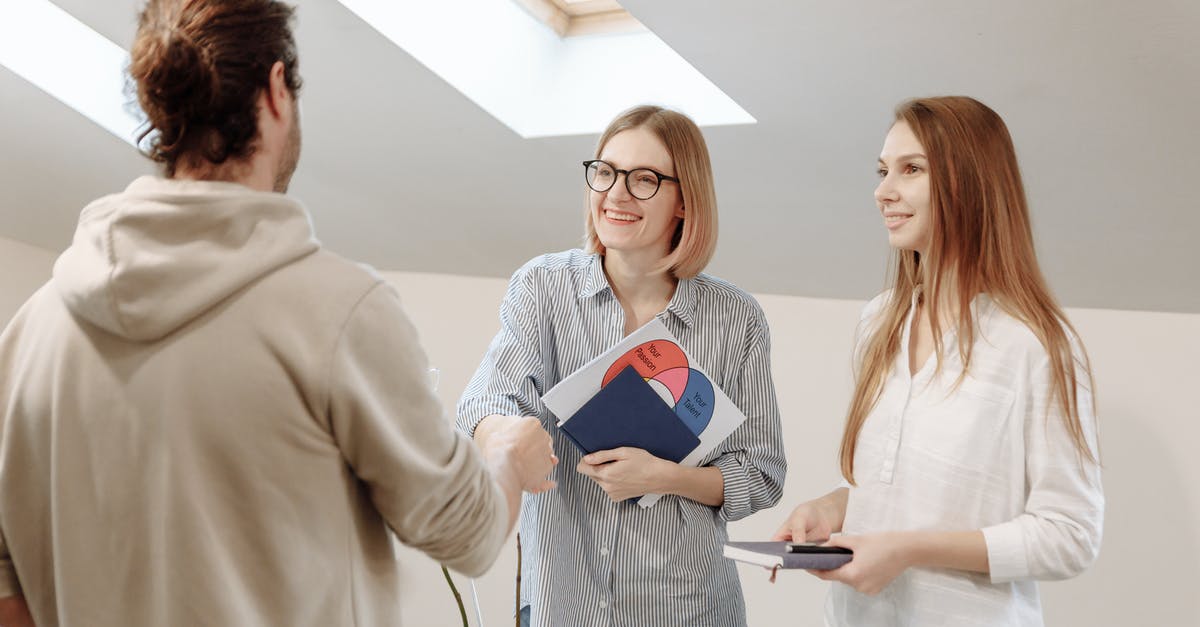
(403,172)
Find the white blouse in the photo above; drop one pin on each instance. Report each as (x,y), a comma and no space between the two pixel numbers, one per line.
(994,455)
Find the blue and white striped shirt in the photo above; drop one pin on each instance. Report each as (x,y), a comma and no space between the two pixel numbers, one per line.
(589,561)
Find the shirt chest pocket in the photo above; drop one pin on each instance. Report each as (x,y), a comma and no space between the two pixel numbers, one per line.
(964,427)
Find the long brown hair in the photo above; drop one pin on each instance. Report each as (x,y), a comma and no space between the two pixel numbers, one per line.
(199,66)
(980,242)
(696,238)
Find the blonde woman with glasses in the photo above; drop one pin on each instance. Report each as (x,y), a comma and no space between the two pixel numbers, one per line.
(592,556)
(970,452)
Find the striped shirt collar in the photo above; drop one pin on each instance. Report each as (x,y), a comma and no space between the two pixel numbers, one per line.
(683,301)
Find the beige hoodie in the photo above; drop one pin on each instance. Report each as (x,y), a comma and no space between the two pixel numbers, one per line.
(205,419)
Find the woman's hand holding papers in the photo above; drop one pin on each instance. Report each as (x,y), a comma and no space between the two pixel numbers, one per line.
(627,472)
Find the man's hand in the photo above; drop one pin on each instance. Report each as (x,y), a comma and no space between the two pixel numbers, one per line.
(521,444)
(626,472)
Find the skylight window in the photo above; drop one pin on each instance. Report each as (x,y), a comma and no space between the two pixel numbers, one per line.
(572,18)
(537,81)
(65,58)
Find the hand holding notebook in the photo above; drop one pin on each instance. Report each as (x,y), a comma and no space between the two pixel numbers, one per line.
(788,555)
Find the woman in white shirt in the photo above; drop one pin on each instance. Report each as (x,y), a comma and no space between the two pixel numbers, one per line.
(970,451)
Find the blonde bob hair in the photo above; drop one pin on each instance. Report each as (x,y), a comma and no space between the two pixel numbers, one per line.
(695,238)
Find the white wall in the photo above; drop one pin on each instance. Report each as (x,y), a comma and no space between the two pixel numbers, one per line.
(1147,374)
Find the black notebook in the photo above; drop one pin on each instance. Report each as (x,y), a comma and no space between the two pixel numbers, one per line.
(628,412)
(776,554)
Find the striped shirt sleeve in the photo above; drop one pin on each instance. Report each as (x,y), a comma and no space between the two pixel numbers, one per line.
(509,379)
(753,463)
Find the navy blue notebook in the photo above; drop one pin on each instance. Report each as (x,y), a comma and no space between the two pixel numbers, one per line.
(628,412)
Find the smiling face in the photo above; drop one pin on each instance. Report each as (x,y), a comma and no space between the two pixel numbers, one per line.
(903,193)
(626,224)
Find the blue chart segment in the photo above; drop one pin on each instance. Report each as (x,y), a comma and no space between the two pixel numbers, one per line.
(695,406)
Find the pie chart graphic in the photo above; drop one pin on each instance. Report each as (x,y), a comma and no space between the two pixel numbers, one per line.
(665,368)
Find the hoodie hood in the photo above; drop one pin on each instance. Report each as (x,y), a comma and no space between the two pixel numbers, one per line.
(148,260)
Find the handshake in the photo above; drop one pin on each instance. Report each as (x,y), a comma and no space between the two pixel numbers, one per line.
(518,450)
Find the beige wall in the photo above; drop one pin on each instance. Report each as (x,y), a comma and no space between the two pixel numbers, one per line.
(1147,373)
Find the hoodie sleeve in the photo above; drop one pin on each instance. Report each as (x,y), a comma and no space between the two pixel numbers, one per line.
(428,481)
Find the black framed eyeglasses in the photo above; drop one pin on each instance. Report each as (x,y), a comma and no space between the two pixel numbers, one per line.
(642,183)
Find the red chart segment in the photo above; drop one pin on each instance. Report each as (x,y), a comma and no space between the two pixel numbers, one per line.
(648,359)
